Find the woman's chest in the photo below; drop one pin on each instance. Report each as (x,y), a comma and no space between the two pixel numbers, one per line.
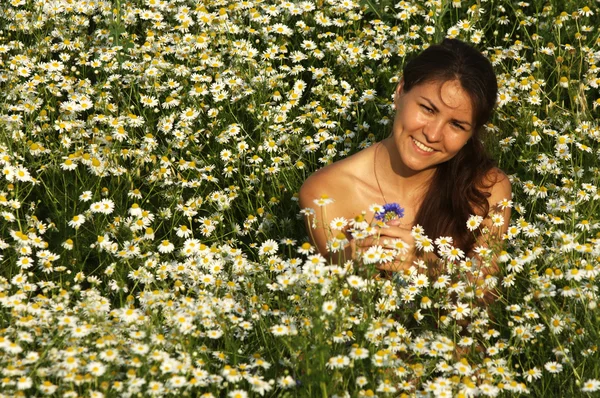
(363,197)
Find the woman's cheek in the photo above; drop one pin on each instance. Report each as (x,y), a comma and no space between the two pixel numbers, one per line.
(398,126)
(458,141)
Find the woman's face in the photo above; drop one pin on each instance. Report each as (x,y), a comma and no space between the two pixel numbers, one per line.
(433,122)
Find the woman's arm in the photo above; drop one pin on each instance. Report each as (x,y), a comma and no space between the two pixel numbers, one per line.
(319,187)
(500,204)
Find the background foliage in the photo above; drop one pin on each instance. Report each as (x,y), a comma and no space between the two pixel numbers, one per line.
(151,240)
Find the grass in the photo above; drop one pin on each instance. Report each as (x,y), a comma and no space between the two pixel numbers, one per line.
(211,116)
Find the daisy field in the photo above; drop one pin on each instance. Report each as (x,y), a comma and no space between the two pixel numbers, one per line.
(151,239)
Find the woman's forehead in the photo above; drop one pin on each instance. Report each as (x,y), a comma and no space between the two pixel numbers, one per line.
(447,94)
(453,95)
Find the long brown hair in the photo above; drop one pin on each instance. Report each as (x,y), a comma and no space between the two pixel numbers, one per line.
(456,193)
(456,190)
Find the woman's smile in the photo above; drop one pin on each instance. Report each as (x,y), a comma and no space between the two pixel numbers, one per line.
(422,147)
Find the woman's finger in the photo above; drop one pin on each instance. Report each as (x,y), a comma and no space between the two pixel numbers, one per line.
(397,232)
(386,241)
(394,266)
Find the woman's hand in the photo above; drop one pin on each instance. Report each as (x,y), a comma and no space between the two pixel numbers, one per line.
(391,236)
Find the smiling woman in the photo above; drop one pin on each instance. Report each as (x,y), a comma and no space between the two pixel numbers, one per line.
(433,163)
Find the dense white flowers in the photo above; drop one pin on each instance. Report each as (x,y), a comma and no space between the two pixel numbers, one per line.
(151,152)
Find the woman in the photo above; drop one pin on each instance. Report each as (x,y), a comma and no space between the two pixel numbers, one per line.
(433,164)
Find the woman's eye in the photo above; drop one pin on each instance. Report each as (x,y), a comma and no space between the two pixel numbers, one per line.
(459,126)
(428,109)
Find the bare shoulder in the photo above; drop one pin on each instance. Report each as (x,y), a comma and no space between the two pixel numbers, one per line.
(335,180)
(325,185)
(325,182)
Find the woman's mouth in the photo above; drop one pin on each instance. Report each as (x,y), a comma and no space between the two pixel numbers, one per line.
(422,146)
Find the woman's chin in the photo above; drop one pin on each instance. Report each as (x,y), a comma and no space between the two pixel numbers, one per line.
(416,164)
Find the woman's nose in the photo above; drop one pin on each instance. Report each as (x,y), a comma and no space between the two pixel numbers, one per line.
(433,131)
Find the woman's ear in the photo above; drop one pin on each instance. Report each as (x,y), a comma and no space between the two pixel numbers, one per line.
(400,86)
(398,92)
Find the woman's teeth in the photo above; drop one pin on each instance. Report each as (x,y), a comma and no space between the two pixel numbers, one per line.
(422,147)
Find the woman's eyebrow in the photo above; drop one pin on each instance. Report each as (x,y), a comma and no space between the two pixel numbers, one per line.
(437,110)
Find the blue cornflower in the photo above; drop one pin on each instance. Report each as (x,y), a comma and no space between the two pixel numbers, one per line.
(390,211)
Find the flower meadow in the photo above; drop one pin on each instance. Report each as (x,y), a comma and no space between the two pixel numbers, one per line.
(151,240)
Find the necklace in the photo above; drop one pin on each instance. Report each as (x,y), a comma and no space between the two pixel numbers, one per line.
(375,172)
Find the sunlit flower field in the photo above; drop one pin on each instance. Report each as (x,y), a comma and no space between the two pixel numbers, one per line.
(151,240)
